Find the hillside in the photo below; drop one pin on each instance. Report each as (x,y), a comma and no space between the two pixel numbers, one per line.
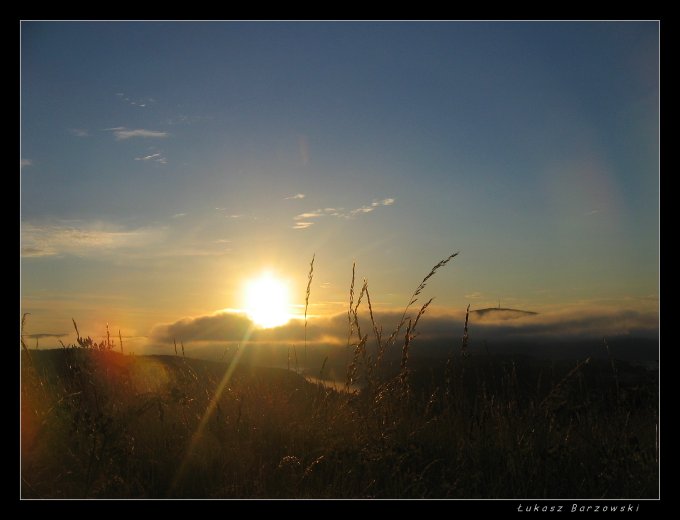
(98,424)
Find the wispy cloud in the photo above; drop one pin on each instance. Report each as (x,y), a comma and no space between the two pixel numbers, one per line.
(141,103)
(183,119)
(121,133)
(338,212)
(155,157)
(475,295)
(375,204)
(296,196)
(23,163)
(302,225)
(235,216)
(80,238)
(179,215)
(311,214)
(79,132)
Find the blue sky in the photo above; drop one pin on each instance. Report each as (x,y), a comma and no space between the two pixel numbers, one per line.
(165,163)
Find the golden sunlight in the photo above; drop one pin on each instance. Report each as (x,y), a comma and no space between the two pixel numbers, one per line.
(266,301)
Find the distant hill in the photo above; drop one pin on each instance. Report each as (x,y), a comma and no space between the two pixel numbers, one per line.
(503,313)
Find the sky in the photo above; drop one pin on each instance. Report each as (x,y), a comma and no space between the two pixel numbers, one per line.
(165,164)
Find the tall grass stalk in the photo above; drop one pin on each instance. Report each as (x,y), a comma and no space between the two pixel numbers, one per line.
(464,342)
(23,343)
(377,331)
(75,326)
(309,286)
(349,310)
(414,299)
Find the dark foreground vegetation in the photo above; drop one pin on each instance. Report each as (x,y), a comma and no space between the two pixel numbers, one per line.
(99,424)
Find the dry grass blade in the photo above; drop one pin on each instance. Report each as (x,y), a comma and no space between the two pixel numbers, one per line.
(323,365)
(422,285)
(351,303)
(23,321)
(422,311)
(464,344)
(352,369)
(376,331)
(23,343)
(403,374)
(414,299)
(120,338)
(76,327)
(355,312)
(557,389)
(309,285)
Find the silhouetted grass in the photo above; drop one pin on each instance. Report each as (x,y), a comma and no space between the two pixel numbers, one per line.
(96,423)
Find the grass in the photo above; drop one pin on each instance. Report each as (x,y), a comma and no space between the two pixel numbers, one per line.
(100,424)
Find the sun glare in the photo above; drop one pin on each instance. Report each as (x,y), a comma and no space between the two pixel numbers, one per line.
(266,301)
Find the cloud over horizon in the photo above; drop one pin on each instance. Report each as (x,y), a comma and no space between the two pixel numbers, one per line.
(231,326)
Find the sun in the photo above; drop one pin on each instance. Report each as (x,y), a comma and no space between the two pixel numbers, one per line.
(266,301)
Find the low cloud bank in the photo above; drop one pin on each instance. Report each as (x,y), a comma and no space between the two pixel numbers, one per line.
(234,327)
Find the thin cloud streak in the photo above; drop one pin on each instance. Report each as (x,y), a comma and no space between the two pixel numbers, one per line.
(311,214)
(155,157)
(303,225)
(121,133)
(142,103)
(339,212)
(78,238)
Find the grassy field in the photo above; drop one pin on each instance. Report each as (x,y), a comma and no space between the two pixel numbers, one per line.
(99,424)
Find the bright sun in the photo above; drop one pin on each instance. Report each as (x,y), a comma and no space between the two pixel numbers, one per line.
(266,301)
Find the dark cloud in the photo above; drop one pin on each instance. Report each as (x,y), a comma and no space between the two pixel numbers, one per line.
(565,325)
(499,313)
